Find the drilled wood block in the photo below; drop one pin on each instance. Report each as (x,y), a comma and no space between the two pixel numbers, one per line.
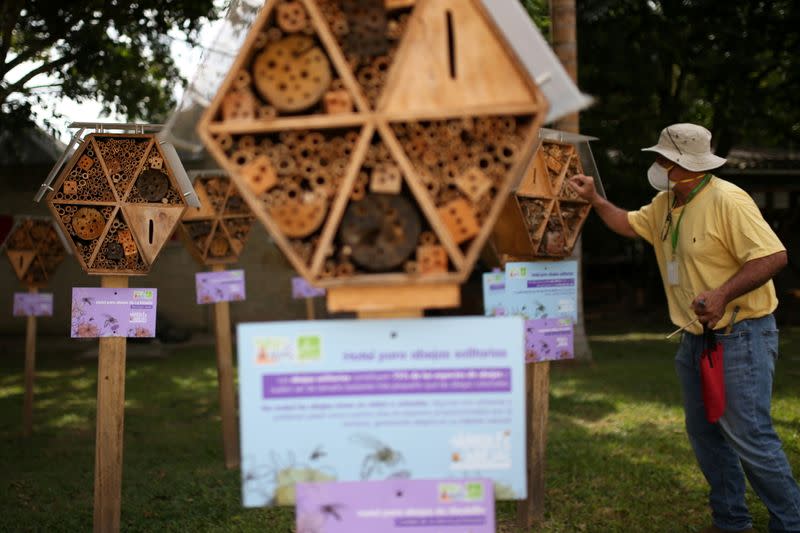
(298,219)
(219,247)
(239,104)
(474,183)
(386,179)
(292,17)
(156,162)
(337,102)
(70,187)
(126,240)
(85,162)
(260,175)
(293,73)
(367,23)
(459,218)
(431,259)
(88,223)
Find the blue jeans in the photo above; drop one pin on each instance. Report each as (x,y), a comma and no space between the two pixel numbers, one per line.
(743,442)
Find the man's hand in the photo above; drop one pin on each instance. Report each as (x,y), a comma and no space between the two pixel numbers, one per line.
(709,306)
(584,186)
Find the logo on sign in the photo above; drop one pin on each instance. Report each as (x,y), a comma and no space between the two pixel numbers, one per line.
(309,348)
(273,350)
(460,492)
(517,272)
(142,295)
(276,350)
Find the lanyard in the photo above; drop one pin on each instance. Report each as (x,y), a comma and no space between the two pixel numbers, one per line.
(692,194)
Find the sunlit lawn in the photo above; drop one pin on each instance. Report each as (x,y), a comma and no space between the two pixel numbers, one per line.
(618,459)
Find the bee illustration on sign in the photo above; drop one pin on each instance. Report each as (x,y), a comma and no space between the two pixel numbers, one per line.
(313,521)
(317,454)
(274,484)
(381,457)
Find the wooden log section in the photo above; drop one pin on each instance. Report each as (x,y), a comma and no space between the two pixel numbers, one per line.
(537,394)
(110,422)
(30,374)
(227,398)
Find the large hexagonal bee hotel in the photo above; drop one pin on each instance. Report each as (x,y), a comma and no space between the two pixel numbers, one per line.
(376,143)
(118,201)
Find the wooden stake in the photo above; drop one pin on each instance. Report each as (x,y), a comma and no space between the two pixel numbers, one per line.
(537,394)
(310,308)
(30,373)
(227,399)
(110,418)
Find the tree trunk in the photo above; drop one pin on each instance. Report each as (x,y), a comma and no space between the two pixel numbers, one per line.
(565,46)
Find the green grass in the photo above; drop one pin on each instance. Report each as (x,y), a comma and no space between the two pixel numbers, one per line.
(618,458)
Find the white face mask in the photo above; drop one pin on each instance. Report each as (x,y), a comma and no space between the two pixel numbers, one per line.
(658,177)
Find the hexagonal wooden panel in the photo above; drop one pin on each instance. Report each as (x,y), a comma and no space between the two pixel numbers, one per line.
(376,144)
(35,250)
(216,232)
(118,202)
(544,217)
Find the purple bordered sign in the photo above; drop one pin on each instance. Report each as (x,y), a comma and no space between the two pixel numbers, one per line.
(302,289)
(110,312)
(401,505)
(225,286)
(33,304)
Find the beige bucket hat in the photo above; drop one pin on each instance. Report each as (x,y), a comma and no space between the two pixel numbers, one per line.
(688,145)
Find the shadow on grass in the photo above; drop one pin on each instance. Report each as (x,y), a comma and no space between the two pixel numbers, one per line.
(618,459)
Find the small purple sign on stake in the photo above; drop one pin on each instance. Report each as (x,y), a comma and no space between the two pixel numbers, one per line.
(302,289)
(33,304)
(401,505)
(548,339)
(225,286)
(110,312)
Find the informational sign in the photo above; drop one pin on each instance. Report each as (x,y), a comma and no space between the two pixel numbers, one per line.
(545,294)
(224,286)
(350,400)
(401,505)
(33,304)
(494,293)
(110,312)
(303,289)
(549,287)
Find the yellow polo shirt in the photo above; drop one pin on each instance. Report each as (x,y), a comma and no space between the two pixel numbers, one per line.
(721,230)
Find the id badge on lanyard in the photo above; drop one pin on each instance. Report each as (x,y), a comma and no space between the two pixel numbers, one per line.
(672,272)
(672,265)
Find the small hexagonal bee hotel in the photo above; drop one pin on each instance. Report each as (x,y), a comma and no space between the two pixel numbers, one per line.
(544,216)
(217,231)
(35,249)
(118,200)
(376,144)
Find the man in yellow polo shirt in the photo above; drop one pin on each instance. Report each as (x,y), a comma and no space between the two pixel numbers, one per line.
(717,254)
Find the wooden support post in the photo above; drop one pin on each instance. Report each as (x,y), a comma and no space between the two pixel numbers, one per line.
(310,308)
(227,398)
(537,398)
(30,373)
(110,418)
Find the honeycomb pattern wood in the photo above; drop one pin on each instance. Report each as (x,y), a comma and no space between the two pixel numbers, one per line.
(327,172)
(117,201)
(216,233)
(34,250)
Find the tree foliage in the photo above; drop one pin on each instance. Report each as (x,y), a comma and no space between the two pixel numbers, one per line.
(731,66)
(111,51)
(539,12)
